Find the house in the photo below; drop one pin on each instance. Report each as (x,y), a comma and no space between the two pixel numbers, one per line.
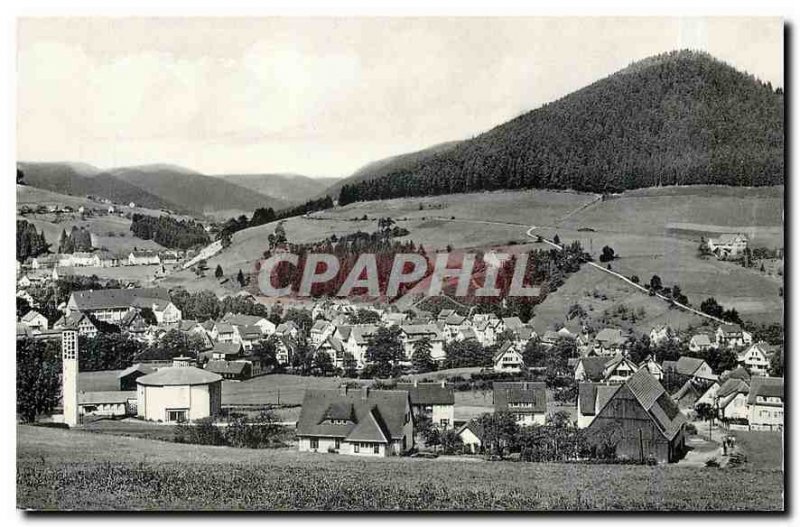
(410,334)
(756,358)
(731,403)
(639,421)
(24,282)
(179,393)
(732,336)
(655,369)
(701,342)
(111,305)
(320,331)
(79,259)
(225,351)
(46,261)
(765,403)
(107,404)
(687,395)
(35,320)
(62,273)
(708,393)
(334,347)
(284,350)
(127,377)
(662,333)
(358,342)
(527,401)
(287,329)
(143,258)
(134,324)
(609,341)
(693,367)
(223,332)
(247,336)
(432,400)
(727,245)
(466,334)
(614,369)
(471,434)
(266,326)
(78,322)
(508,359)
(592,397)
(453,324)
(360,422)
(237,370)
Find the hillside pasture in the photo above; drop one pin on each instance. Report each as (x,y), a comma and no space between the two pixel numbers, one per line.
(73,470)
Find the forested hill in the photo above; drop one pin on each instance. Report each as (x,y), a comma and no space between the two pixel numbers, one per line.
(679,118)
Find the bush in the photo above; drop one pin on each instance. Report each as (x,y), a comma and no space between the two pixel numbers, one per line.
(691,429)
(712,463)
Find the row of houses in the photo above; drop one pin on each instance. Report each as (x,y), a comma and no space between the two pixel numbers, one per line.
(103,258)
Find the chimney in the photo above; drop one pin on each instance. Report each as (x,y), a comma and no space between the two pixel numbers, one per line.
(365,392)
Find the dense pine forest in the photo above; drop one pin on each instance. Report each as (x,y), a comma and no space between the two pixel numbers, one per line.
(169,232)
(679,118)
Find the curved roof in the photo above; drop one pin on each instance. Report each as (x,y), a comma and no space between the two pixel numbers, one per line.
(178,376)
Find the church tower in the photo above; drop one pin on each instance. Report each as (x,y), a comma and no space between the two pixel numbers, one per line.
(69,378)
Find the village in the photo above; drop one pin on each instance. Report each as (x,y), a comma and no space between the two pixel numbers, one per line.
(401,375)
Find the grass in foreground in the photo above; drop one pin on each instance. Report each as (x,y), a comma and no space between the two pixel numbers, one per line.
(59,469)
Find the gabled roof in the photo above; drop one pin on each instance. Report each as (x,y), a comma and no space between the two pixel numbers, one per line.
(238,319)
(142,369)
(467,334)
(344,331)
(421,330)
(226,366)
(120,298)
(370,428)
(223,327)
(226,348)
(334,343)
(688,365)
(428,393)
(250,332)
(610,336)
(110,397)
(31,315)
(594,368)
(765,387)
(473,426)
(701,339)
(739,373)
(179,376)
(732,386)
(504,348)
(320,325)
(594,396)
(454,319)
(730,329)
(657,402)
(512,323)
(506,393)
(390,406)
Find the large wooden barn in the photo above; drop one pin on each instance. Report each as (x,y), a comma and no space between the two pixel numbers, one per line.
(640,421)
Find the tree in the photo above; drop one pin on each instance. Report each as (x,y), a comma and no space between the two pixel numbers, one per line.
(265,351)
(450,441)
(218,272)
(655,283)
(576,311)
(534,354)
(349,365)
(776,363)
(38,378)
(421,358)
(323,365)
(556,240)
(176,343)
(302,357)
(385,350)
(20,177)
(364,316)
(30,242)
(710,306)
(499,431)
(108,351)
(607,254)
(240,278)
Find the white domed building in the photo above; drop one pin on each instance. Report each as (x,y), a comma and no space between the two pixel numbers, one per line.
(178,394)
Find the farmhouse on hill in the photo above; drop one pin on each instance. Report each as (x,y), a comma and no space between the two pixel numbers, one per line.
(359,422)
(728,245)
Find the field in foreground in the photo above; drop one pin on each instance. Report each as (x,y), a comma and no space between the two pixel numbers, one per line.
(58,469)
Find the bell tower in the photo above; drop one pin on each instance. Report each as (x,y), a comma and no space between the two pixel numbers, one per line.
(69,377)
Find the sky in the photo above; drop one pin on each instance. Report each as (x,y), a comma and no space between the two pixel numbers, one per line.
(323,96)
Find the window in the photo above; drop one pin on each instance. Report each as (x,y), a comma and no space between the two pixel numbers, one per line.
(176,416)
(376,449)
(337,443)
(356,448)
(314,443)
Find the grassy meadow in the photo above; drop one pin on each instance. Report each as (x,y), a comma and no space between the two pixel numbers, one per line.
(73,470)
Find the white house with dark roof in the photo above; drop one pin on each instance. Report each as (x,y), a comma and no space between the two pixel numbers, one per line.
(731,399)
(359,422)
(614,369)
(143,258)
(609,341)
(690,367)
(732,336)
(107,403)
(756,358)
(335,350)
(765,403)
(111,305)
(471,434)
(433,400)
(728,245)
(508,359)
(77,321)
(701,342)
(527,401)
(35,320)
(410,334)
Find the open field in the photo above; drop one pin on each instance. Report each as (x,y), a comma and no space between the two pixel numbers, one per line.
(58,469)
(763,449)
